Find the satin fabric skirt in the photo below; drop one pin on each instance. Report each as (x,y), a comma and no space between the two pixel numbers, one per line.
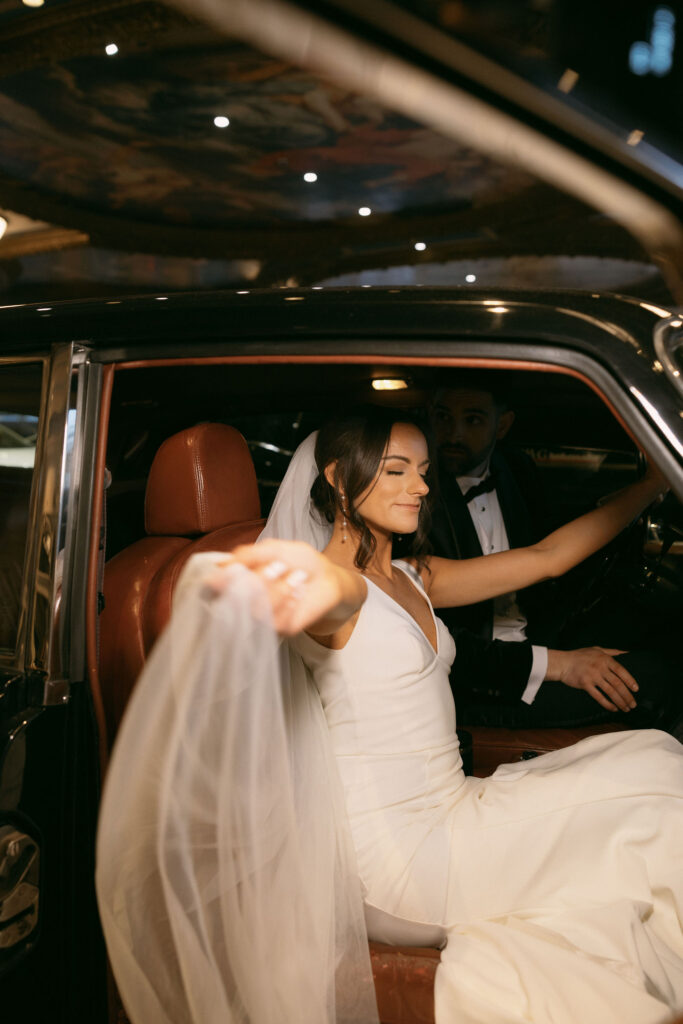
(556,884)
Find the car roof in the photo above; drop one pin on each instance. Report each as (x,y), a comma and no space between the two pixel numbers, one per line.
(419,313)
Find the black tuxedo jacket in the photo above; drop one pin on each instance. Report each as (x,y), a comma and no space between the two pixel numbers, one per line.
(486,669)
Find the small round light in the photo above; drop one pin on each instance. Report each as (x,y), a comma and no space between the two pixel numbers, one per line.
(310,176)
(33,3)
(111,49)
(162,298)
(221,121)
(470,278)
(243,291)
(498,309)
(420,246)
(3,226)
(364,211)
(44,309)
(389,383)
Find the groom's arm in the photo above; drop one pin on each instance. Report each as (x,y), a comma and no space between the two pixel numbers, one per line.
(490,670)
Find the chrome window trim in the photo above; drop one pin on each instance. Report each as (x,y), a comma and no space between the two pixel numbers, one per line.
(48,580)
(79,526)
(668,342)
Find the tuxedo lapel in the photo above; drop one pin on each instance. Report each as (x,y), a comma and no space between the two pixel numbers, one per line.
(516,514)
(454,531)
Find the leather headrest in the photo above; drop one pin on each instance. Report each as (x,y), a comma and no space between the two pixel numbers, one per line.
(201,480)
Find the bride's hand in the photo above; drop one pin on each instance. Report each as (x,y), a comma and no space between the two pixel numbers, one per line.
(303,586)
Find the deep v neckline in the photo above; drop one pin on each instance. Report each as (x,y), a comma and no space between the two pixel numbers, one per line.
(423,597)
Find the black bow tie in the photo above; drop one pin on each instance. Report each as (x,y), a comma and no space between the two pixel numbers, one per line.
(485,486)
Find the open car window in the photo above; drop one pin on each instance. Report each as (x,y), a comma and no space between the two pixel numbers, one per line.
(580,451)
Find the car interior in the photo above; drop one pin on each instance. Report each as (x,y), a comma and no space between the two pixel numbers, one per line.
(195,452)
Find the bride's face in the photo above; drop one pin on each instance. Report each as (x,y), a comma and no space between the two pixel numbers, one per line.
(392,501)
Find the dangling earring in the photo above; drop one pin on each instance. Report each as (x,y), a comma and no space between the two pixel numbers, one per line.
(344,515)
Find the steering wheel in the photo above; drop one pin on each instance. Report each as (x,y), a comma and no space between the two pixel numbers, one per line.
(620,567)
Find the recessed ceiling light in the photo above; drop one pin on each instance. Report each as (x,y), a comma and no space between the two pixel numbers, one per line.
(470,278)
(310,176)
(221,121)
(389,383)
(111,49)
(365,211)
(44,309)
(498,309)
(162,298)
(243,292)
(3,226)
(420,246)
(33,3)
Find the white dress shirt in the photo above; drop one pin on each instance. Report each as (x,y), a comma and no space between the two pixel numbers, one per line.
(508,621)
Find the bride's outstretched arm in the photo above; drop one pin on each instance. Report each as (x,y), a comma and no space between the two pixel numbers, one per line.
(306,590)
(457,582)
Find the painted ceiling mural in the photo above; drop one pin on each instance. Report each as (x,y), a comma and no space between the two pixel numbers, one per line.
(180,159)
(137,135)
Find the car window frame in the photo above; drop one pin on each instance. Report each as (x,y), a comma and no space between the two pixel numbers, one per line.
(42,643)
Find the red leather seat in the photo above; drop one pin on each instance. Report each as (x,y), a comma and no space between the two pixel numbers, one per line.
(202,495)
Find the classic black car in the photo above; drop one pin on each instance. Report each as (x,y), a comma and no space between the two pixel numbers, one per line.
(89,391)
(595,382)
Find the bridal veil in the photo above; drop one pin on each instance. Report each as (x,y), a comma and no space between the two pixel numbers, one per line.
(226,877)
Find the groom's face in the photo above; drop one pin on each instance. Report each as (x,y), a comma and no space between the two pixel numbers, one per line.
(466,424)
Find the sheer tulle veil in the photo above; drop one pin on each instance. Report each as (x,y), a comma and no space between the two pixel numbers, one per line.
(226,878)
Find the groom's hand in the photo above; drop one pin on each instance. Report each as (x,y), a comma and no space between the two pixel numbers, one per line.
(595,670)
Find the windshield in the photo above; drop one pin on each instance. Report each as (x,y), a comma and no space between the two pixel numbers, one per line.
(619,64)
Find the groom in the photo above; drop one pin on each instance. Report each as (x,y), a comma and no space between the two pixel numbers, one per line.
(489,501)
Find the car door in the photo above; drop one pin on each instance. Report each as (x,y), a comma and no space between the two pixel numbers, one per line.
(51,963)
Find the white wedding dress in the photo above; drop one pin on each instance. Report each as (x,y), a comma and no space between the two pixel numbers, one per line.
(247,770)
(556,884)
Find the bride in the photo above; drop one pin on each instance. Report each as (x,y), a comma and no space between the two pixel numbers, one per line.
(237,877)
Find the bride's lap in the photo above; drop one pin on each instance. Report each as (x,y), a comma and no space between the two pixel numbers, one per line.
(587,824)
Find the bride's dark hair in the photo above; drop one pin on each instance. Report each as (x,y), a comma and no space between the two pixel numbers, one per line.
(355,443)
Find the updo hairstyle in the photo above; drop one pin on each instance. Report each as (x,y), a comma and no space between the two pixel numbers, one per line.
(355,443)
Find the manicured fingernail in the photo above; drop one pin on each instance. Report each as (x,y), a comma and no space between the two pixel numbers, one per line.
(274,570)
(296,578)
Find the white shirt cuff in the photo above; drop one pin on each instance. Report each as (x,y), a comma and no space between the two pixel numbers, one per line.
(539,667)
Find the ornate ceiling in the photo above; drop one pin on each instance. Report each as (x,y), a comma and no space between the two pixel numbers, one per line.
(119,158)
